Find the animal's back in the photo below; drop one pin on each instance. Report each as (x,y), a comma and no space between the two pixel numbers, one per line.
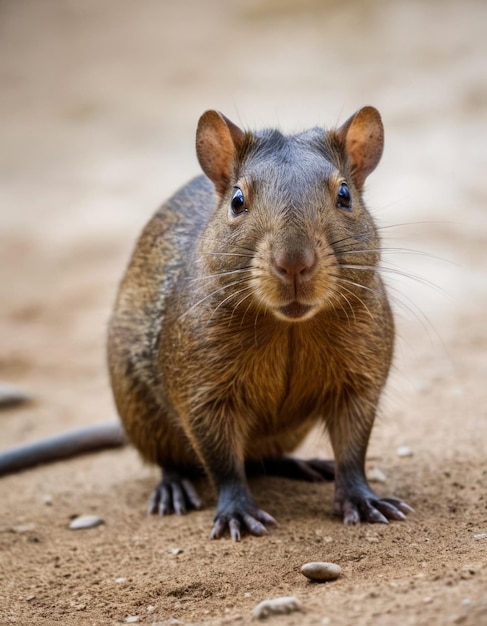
(163,250)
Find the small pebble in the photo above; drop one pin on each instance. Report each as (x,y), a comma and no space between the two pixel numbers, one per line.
(276,606)
(151,608)
(23,528)
(175,551)
(404,451)
(376,475)
(321,571)
(132,619)
(47,500)
(85,521)
(10,395)
(480,536)
(120,580)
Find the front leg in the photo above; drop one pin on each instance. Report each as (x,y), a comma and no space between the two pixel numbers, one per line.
(349,428)
(219,441)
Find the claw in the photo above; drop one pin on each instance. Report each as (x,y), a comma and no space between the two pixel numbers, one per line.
(178,502)
(374,516)
(218,528)
(404,508)
(234,526)
(350,513)
(391,511)
(191,494)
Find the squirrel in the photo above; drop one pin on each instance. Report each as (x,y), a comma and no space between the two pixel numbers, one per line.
(251,310)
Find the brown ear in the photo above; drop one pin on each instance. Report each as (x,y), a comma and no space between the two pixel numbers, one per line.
(217,142)
(362,136)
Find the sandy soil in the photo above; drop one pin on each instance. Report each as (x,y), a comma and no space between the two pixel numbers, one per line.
(98,106)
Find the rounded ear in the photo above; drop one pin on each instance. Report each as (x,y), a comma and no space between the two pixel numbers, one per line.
(362,136)
(217,143)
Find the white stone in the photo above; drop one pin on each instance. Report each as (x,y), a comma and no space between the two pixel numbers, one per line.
(404,451)
(85,521)
(276,606)
(321,571)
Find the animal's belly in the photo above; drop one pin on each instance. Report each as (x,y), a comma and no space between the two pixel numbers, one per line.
(280,432)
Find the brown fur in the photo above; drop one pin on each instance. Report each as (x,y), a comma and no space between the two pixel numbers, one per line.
(208,365)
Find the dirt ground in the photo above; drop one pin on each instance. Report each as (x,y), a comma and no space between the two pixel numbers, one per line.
(98,107)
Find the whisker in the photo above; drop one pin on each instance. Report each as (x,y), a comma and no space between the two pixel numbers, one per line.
(265,308)
(340,280)
(232,295)
(245,256)
(241,270)
(248,295)
(418,314)
(417,223)
(396,272)
(394,250)
(211,294)
(351,282)
(235,245)
(344,297)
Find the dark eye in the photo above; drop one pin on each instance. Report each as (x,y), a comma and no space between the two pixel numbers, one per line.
(238,202)
(344,197)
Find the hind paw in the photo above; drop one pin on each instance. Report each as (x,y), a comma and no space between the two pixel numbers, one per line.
(310,470)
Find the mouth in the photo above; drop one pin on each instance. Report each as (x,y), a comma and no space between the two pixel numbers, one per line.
(295,311)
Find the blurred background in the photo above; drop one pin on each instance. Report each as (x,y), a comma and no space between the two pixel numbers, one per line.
(99,102)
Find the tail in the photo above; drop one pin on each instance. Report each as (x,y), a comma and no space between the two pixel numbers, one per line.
(63,446)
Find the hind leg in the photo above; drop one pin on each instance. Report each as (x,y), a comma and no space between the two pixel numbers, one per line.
(310,470)
(174,494)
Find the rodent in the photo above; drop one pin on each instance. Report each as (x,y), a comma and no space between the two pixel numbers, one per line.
(252,309)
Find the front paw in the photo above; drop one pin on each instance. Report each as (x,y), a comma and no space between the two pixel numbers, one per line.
(174,494)
(363,505)
(240,518)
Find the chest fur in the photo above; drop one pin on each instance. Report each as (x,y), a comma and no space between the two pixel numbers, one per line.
(272,376)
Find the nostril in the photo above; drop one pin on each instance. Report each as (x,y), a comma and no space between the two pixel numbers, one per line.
(304,268)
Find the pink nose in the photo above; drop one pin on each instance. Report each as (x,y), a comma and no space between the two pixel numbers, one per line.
(291,265)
